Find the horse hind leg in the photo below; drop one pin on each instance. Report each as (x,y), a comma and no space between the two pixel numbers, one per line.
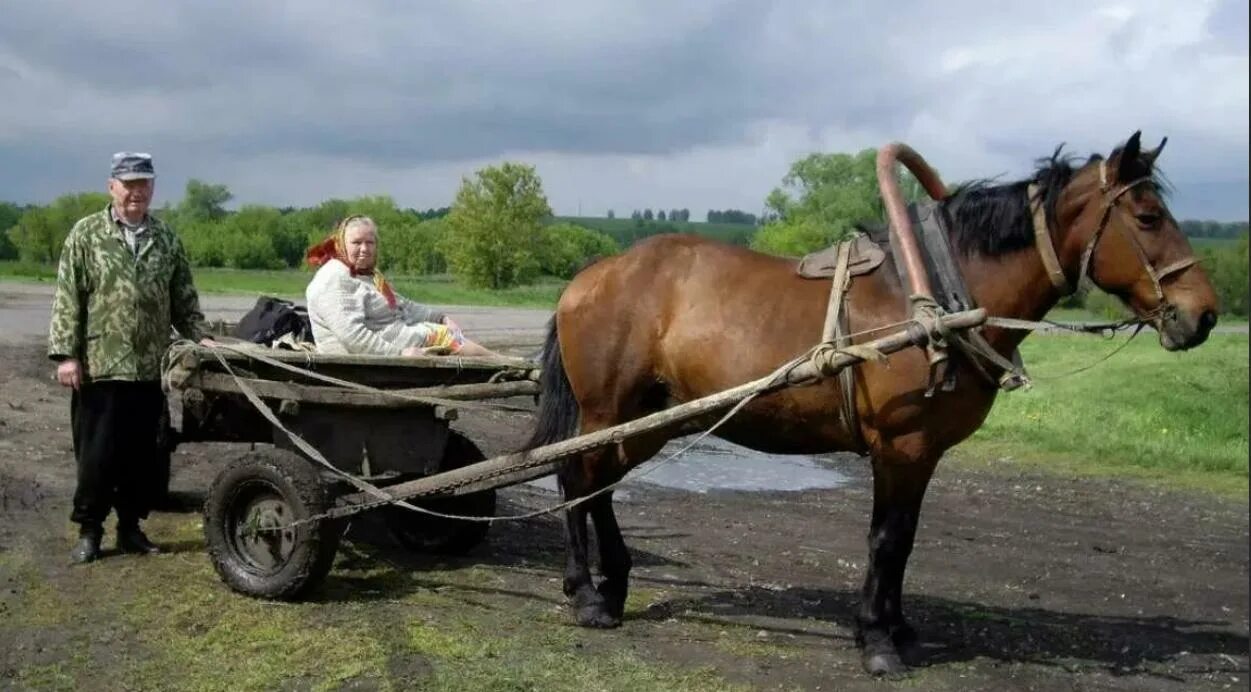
(601,606)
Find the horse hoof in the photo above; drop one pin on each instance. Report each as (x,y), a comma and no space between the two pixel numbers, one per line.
(907,643)
(884,664)
(596,617)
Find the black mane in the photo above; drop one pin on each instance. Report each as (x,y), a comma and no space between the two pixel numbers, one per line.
(993,219)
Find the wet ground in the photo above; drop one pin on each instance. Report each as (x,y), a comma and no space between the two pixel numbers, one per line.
(746,564)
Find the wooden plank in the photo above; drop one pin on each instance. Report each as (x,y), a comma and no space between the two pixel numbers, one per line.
(311,360)
(511,469)
(269,389)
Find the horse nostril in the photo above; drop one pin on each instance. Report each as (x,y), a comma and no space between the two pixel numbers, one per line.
(1207,320)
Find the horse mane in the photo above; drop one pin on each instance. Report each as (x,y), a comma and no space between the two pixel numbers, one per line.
(990,219)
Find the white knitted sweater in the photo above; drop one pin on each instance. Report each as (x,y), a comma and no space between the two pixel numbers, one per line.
(350,315)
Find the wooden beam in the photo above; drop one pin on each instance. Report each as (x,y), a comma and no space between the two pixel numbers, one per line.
(315,394)
(519,467)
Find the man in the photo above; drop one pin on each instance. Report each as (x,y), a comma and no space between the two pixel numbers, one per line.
(122,283)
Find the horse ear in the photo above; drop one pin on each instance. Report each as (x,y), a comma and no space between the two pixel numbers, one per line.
(1151,156)
(1129,156)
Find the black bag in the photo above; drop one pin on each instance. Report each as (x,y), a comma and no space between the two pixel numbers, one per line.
(271,318)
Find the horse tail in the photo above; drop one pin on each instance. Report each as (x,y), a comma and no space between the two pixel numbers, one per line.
(558,409)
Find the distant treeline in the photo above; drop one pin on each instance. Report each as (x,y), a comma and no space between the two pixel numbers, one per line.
(1213,229)
(423,242)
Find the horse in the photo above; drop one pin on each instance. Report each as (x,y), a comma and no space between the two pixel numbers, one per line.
(679,317)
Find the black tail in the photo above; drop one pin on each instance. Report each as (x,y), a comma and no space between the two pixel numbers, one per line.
(558,409)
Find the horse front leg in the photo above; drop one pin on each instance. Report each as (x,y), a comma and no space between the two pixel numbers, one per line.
(898,489)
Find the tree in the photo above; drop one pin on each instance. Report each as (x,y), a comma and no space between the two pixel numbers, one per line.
(647,215)
(660,215)
(611,215)
(9,214)
(414,248)
(494,226)
(203,202)
(822,199)
(565,248)
(40,232)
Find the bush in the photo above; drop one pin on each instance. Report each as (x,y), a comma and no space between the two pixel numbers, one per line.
(1227,269)
(795,238)
(40,232)
(564,248)
(414,247)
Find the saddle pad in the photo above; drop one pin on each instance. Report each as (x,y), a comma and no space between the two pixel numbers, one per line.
(866,256)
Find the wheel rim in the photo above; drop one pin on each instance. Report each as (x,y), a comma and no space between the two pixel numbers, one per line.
(256,509)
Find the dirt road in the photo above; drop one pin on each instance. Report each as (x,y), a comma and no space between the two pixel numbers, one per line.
(1018,581)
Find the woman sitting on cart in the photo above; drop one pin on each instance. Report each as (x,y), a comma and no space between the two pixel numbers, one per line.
(353,309)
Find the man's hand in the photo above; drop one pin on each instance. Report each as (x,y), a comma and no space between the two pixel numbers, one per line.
(206,341)
(70,373)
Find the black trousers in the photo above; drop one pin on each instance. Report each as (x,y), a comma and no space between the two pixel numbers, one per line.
(115,428)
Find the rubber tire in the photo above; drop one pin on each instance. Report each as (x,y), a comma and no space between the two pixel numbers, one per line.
(298,483)
(422,533)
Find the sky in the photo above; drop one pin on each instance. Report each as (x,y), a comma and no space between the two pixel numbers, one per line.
(619,105)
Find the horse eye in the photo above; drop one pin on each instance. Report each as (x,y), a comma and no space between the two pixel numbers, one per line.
(1149,220)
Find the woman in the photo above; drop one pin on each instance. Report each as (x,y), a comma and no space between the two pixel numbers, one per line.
(353,309)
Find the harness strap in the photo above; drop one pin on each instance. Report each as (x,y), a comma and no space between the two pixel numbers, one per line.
(835,332)
(1042,240)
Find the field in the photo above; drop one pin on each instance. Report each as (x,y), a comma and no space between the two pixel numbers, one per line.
(1178,418)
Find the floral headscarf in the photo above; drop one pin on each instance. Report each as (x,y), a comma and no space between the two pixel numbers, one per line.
(335,247)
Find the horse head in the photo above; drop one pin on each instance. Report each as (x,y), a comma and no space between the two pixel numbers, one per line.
(1117,229)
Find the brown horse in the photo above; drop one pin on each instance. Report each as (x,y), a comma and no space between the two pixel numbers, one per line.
(676,318)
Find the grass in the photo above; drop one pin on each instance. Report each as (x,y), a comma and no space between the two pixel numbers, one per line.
(1178,419)
(436,290)
(172,625)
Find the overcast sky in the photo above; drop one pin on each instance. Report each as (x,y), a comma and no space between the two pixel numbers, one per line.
(620,105)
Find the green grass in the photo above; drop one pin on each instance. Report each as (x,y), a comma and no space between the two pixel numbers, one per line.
(437,290)
(168,623)
(1174,418)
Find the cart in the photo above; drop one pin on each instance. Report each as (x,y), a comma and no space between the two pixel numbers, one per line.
(341,435)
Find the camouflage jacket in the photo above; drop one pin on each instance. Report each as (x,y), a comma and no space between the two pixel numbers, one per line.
(113,308)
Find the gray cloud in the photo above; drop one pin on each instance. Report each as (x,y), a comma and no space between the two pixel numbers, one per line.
(712,99)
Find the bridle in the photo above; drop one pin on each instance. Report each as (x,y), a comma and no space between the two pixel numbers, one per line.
(1111,197)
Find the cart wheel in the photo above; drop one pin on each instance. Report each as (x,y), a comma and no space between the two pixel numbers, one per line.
(428,534)
(268,489)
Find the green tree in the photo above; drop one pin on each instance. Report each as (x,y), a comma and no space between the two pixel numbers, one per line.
(203,202)
(9,215)
(248,238)
(494,226)
(564,248)
(414,247)
(40,232)
(822,199)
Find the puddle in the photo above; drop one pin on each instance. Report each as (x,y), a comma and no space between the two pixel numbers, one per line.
(714,464)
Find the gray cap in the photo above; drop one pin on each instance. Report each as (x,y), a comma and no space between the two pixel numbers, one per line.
(132,166)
